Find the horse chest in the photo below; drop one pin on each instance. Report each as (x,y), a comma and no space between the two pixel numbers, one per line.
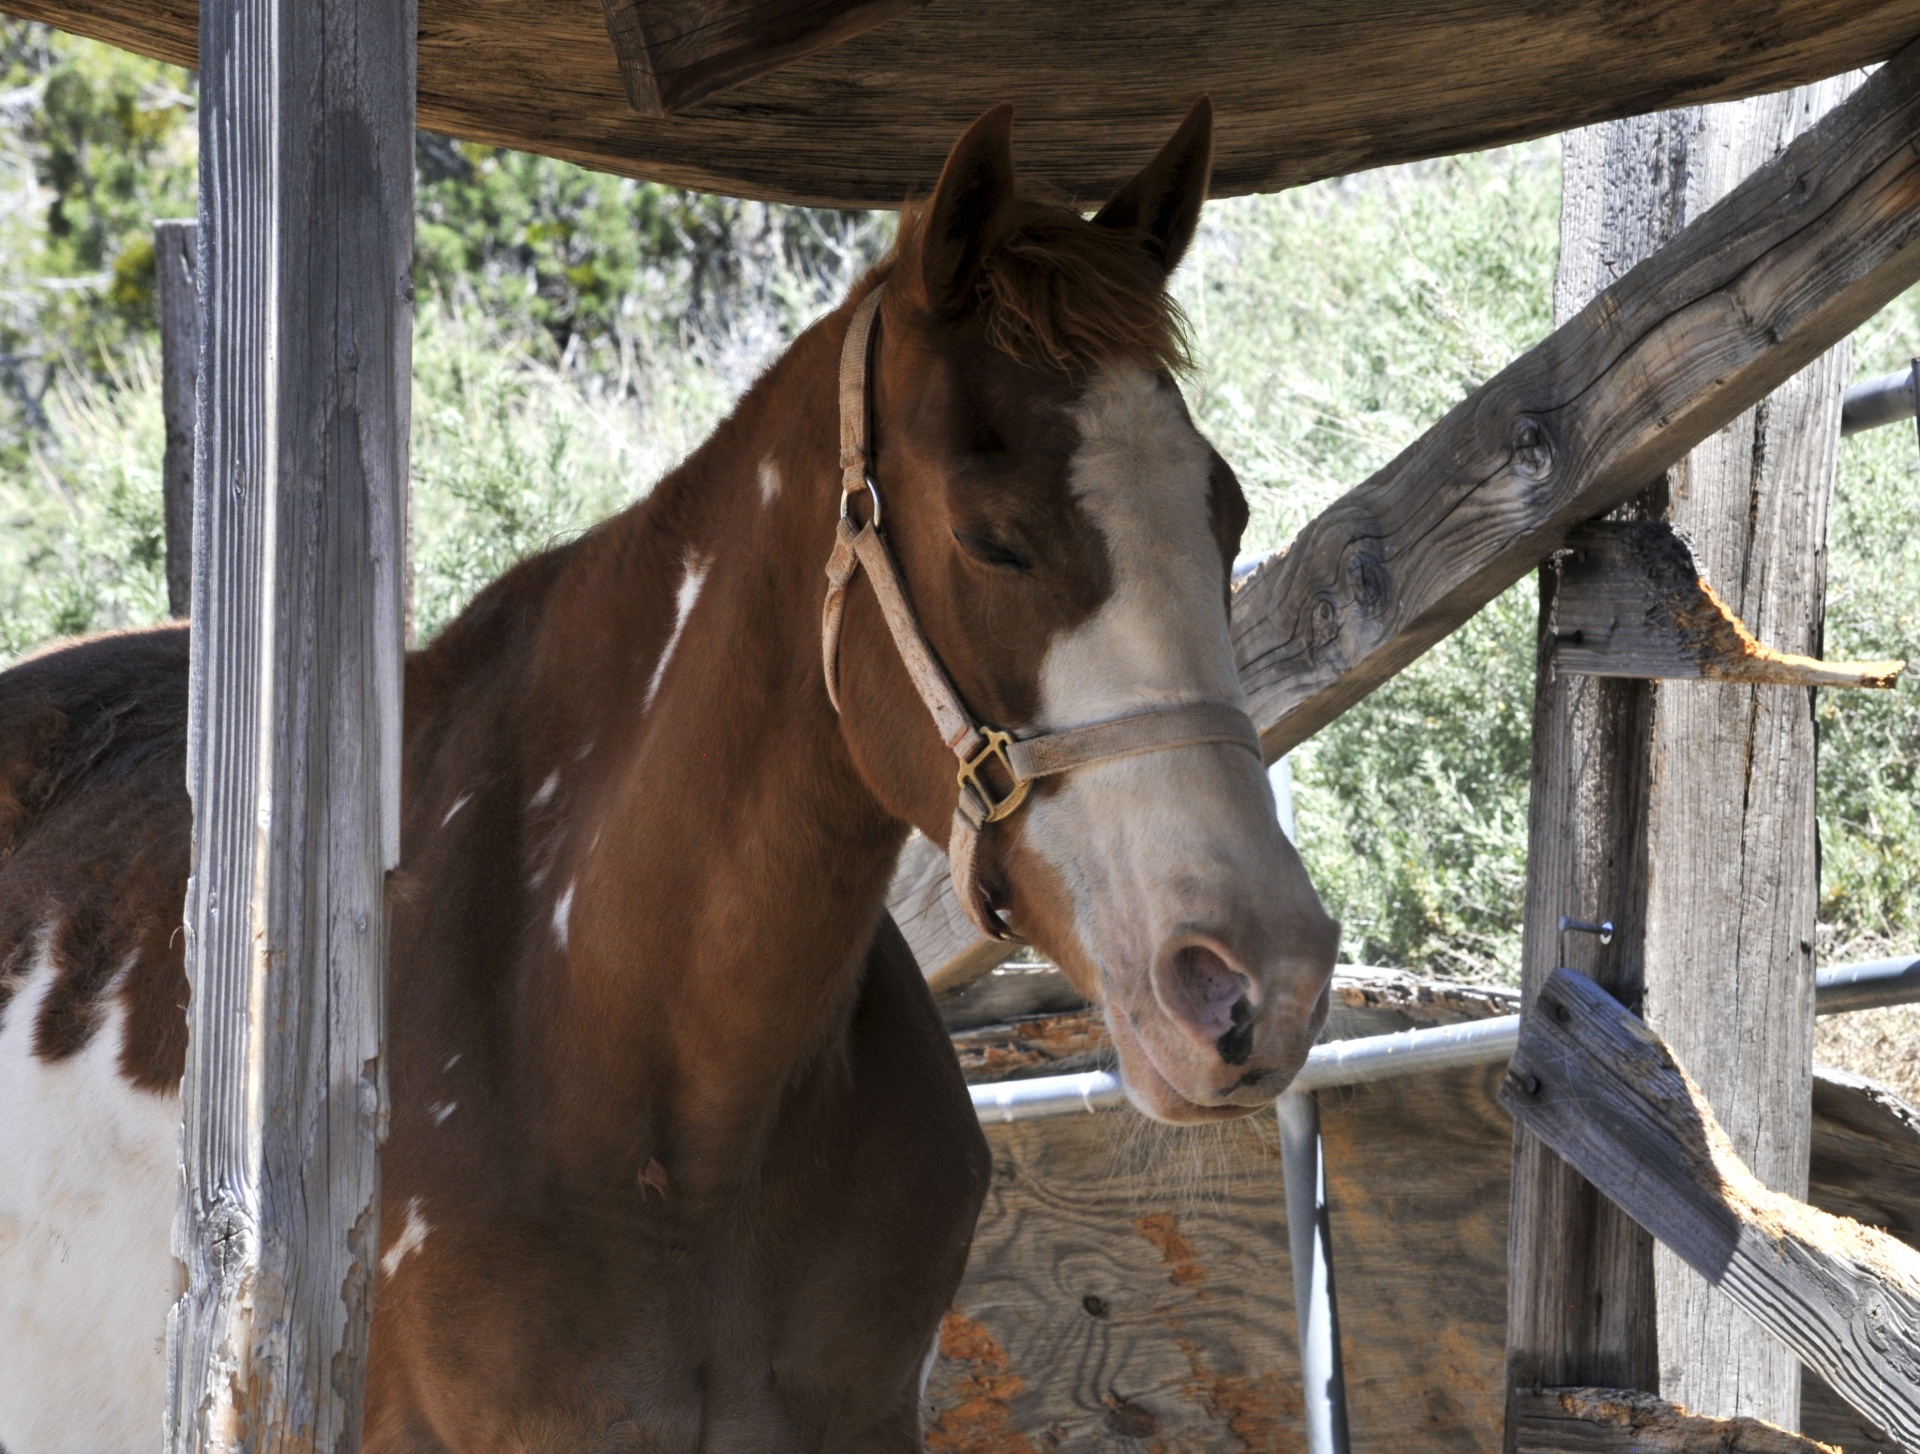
(795,1315)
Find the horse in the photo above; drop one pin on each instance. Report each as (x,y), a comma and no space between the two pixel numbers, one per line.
(680,1158)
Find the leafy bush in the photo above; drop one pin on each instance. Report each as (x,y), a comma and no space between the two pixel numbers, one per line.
(1335,323)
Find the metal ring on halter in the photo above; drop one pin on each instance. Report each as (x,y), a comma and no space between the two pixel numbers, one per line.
(873,494)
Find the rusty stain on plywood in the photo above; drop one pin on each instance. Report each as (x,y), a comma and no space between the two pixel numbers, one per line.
(1262,1412)
(1175,1250)
(978,1417)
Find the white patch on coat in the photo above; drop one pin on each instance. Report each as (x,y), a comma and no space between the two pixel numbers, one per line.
(1120,833)
(543,794)
(689,592)
(441,1110)
(769,481)
(562,912)
(458,803)
(927,1364)
(89,1169)
(447,1069)
(413,1236)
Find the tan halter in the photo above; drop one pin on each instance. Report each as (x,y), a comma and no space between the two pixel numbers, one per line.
(1018,760)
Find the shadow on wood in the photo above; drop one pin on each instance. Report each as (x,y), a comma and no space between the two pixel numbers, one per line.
(1593,1083)
(1631,602)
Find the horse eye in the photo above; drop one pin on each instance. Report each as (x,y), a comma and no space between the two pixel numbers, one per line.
(991,552)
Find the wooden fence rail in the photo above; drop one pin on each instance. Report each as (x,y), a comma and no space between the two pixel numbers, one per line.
(1593,1083)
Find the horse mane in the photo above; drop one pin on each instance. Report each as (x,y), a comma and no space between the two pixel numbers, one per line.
(1057,291)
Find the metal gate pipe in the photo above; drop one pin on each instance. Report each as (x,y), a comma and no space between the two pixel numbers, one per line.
(1841,988)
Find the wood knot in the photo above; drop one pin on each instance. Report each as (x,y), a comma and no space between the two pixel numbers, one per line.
(1131,1420)
(1532,450)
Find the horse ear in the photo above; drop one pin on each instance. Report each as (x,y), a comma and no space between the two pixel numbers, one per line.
(975,187)
(1163,202)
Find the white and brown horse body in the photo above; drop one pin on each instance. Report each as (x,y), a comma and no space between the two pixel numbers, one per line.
(680,1158)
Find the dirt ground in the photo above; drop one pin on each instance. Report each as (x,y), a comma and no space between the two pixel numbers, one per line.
(1883,1044)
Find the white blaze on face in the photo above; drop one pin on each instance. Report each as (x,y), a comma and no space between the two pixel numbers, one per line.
(1166,842)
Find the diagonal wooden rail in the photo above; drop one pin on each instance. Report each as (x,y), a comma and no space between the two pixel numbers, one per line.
(1788,264)
(1601,1089)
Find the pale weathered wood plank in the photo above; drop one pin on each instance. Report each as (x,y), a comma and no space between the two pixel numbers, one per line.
(175,265)
(294,720)
(1632,602)
(1623,1421)
(1580,1300)
(1732,860)
(1597,1086)
(1786,266)
(1302,90)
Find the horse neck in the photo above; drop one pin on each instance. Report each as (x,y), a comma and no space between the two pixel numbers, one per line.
(709,902)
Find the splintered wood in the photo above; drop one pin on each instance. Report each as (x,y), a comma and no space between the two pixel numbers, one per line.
(1624,1421)
(1632,603)
(1593,1083)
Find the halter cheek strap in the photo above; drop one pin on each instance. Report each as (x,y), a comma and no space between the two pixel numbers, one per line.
(995,770)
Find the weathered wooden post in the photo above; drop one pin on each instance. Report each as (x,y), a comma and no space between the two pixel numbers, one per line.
(306,216)
(176,244)
(1682,813)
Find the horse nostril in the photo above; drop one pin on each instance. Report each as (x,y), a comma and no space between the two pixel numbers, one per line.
(1236,1046)
(1203,991)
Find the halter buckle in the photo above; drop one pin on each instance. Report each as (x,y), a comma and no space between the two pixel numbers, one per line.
(994,745)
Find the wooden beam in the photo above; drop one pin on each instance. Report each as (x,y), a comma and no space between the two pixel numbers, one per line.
(1632,602)
(1580,1293)
(673,53)
(293,763)
(1789,263)
(1792,261)
(1601,1089)
(1624,1421)
(1301,91)
(177,292)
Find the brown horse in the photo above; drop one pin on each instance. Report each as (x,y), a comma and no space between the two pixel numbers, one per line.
(680,1158)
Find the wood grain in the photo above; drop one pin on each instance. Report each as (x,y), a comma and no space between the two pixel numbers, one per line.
(1596,1085)
(293,753)
(1794,258)
(1733,877)
(1621,1421)
(673,53)
(1631,602)
(1784,267)
(1127,1289)
(1302,88)
(1580,1306)
(176,246)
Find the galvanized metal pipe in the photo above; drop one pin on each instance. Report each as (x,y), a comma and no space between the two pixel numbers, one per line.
(1840,989)
(1310,1246)
(1872,985)
(1888,399)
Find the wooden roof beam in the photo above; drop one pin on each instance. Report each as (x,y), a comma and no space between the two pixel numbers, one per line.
(673,53)
(1792,261)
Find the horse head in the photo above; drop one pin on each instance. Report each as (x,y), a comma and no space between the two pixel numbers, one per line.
(1064,538)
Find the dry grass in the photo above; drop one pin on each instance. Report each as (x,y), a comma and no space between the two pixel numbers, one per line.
(1883,1044)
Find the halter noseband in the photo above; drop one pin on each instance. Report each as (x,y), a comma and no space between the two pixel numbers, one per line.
(1018,760)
